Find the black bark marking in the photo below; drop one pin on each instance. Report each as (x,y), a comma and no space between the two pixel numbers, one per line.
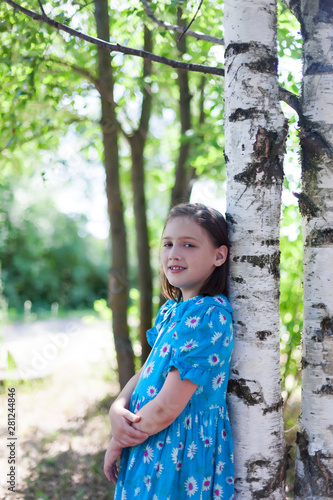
(326,329)
(265,65)
(276,479)
(318,479)
(266,167)
(327,325)
(274,407)
(319,68)
(270,243)
(325,11)
(244,114)
(271,262)
(234,49)
(313,146)
(319,306)
(240,388)
(320,237)
(304,363)
(325,389)
(263,334)
(238,279)
(306,206)
(229,218)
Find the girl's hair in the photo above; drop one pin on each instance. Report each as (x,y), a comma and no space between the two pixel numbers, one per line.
(215,225)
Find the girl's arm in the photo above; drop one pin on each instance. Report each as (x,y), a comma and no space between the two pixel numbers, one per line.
(121,418)
(168,404)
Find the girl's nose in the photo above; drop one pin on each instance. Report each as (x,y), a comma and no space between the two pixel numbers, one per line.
(174,254)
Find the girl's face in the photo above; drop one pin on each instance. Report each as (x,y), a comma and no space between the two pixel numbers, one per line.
(189,256)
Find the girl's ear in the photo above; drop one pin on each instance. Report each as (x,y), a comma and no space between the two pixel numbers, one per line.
(221,255)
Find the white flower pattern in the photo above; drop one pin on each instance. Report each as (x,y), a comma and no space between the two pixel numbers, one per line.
(192,321)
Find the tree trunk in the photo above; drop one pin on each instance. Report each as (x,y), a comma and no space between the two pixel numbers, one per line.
(314,465)
(118,280)
(137,143)
(180,191)
(255,134)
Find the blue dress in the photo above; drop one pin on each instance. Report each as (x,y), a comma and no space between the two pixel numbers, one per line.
(193,457)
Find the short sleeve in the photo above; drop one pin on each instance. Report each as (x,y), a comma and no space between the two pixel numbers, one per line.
(202,342)
(152,333)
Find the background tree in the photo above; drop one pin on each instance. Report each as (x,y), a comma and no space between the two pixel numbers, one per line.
(118,286)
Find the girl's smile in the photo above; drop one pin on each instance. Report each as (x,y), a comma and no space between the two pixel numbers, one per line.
(189,256)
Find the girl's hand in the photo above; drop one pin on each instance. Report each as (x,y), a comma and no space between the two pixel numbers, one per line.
(110,461)
(121,423)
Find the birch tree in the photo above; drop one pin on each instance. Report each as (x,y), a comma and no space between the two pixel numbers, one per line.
(314,464)
(255,134)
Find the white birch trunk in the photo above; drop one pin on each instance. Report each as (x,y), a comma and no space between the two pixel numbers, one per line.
(255,133)
(314,463)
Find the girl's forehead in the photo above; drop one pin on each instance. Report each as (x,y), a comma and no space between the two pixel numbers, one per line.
(182,224)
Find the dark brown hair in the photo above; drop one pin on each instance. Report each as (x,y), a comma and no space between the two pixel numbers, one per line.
(215,225)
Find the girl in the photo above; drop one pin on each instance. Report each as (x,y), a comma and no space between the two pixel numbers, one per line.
(170,423)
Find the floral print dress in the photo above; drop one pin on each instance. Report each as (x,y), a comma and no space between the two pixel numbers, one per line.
(193,457)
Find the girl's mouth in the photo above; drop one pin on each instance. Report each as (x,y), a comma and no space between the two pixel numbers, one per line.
(176,269)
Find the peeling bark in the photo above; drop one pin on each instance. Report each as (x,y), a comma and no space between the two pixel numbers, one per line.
(317,480)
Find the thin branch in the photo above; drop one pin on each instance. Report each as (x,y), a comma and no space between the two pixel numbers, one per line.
(191,22)
(179,29)
(199,68)
(41,7)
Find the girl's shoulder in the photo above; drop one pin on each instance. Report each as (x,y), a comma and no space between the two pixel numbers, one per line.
(203,307)
(207,303)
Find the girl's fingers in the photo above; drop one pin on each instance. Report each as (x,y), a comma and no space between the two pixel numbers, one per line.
(111,472)
(131,417)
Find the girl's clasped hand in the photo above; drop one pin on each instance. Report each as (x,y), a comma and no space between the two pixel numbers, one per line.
(170,423)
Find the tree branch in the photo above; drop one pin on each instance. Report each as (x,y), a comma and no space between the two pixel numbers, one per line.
(117,47)
(191,22)
(179,29)
(291,99)
(41,7)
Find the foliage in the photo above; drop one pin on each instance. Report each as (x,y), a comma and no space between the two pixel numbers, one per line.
(291,306)
(46,255)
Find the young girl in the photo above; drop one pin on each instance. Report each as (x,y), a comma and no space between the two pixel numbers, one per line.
(170,423)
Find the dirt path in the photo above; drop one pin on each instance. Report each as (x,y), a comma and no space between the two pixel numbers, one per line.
(62,425)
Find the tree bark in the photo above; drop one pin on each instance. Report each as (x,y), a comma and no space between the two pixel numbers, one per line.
(137,143)
(255,134)
(118,279)
(314,464)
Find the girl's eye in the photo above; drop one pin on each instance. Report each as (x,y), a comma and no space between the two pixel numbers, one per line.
(167,245)
(189,245)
